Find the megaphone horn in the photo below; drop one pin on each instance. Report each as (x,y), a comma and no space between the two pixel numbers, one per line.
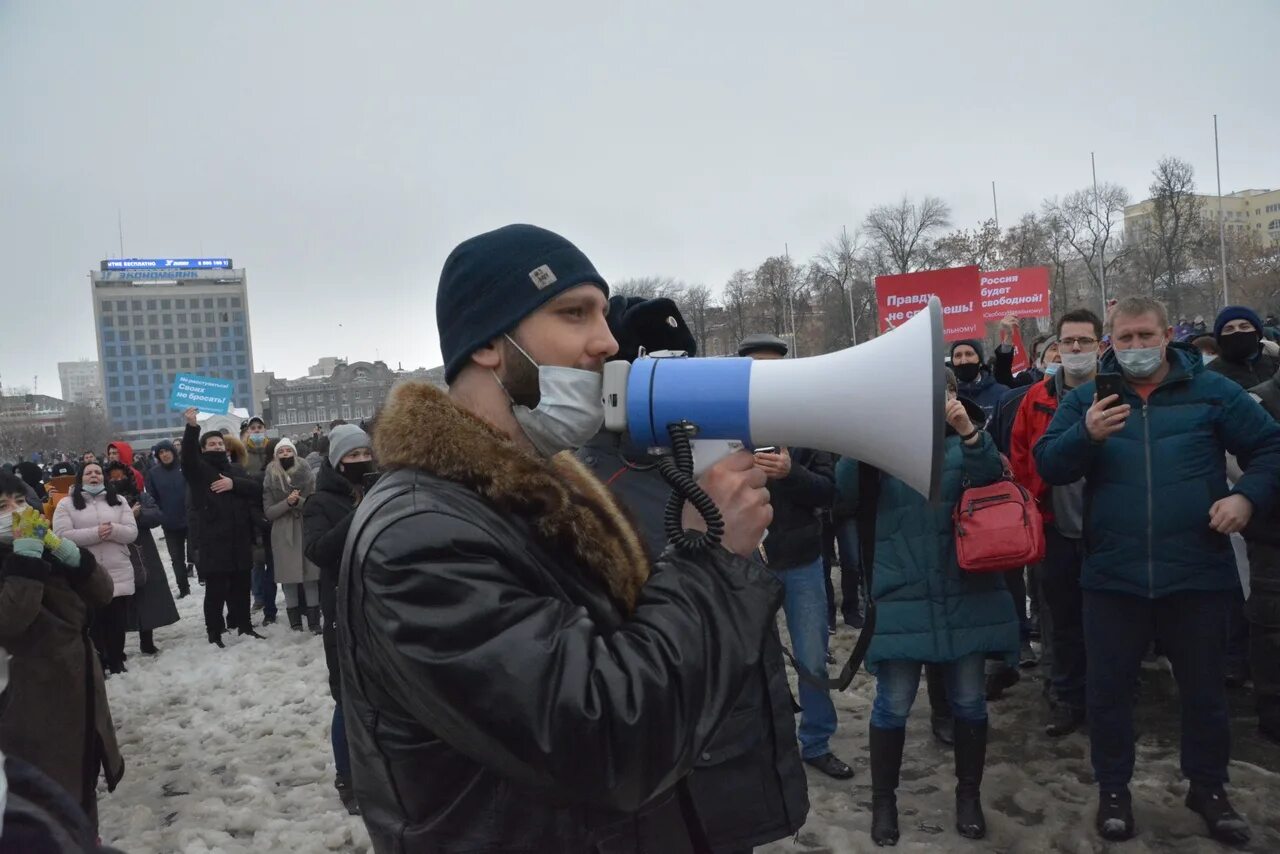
(880,402)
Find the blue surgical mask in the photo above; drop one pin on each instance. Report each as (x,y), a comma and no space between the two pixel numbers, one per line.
(94,488)
(1052,368)
(1207,357)
(570,409)
(1142,362)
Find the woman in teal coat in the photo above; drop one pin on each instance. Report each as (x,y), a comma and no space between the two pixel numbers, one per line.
(930,611)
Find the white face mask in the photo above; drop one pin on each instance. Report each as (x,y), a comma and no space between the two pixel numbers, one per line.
(570,407)
(1080,364)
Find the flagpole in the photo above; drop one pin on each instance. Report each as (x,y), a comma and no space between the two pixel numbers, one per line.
(1102,250)
(1222,226)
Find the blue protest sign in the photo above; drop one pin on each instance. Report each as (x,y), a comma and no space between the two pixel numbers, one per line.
(204,393)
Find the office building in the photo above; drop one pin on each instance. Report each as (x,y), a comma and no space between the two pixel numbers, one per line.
(1248,211)
(81,382)
(157,318)
(352,393)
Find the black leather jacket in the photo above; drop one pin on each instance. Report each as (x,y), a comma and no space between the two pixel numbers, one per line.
(498,699)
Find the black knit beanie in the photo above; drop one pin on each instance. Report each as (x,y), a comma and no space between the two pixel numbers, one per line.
(495,280)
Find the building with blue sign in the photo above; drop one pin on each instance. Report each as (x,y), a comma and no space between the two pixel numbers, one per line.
(159,317)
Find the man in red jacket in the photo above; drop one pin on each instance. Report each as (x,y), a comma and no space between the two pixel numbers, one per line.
(1079,337)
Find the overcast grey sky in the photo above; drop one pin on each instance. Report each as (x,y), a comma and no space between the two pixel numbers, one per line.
(339,151)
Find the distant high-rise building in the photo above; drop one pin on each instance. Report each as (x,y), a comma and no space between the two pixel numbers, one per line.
(261,380)
(81,382)
(160,317)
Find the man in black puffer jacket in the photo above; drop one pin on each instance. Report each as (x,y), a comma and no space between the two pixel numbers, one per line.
(748,786)
(1263,607)
(517,675)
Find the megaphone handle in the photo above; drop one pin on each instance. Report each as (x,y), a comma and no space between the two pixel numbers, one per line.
(677,470)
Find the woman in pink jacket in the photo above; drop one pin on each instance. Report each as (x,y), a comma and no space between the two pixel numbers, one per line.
(97,519)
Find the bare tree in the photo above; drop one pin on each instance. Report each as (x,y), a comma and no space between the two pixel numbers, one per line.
(843,269)
(737,304)
(696,304)
(904,231)
(981,247)
(781,292)
(1088,222)
(648,287)
(1173,229)
(86,427)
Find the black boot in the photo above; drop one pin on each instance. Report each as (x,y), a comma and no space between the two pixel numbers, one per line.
(251,633)
(1115,816)
(347,794)
(1225,824)
(147,643)
(313,619)
(886,763)
(939,705)
(215,638)
(295,618)
(1269,717)
(1063,720)
(971,758)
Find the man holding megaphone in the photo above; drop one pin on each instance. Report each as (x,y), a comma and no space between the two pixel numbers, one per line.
(517,673)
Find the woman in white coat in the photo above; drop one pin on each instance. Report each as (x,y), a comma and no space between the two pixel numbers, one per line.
(97,519)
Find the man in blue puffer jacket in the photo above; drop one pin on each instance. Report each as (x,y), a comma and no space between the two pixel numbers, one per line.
(165,483)
(1157,558)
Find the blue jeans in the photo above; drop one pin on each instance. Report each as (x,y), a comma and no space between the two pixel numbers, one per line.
(338,736)
(264,588)
(897,683)
(806,610)
(1191,627)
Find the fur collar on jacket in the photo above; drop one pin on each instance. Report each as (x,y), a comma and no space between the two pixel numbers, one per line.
(569,510)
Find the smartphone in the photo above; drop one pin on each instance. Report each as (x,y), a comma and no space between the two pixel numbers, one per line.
(768,450)
(1109,384)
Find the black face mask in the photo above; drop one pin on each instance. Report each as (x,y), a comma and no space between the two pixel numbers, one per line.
(967,373)
(286,463)
(217,459)
(355,472)
(1239,346)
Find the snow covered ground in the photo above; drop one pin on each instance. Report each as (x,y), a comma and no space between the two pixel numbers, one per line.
(228,751)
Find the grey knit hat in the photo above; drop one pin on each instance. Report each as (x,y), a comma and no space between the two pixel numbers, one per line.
(344,439)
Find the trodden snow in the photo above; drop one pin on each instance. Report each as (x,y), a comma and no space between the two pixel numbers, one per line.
(227,751)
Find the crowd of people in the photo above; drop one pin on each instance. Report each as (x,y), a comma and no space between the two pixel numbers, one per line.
(519,658)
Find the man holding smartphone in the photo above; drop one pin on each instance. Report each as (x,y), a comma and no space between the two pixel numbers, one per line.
(1158,563)
(801,486)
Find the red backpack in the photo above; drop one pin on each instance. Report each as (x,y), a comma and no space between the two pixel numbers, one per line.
(998,527)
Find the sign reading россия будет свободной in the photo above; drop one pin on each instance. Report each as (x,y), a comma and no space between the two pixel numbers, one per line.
(206,394)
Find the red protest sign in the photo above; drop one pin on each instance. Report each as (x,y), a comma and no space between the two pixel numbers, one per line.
(1020,361)
(1024,292)
(903,296)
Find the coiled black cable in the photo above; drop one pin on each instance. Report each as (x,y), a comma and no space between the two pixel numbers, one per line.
(677,470)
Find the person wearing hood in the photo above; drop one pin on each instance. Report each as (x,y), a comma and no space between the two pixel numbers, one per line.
(152,605)
(287,485)
(122,452)
(974,381)
(168,488)
(748,787)
(99,521)
(1159,564)
(226,501)
(1062,507)
(326,518)
(928,610)
(55,713)
(1238,331)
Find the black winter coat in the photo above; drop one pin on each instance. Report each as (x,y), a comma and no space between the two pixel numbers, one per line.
(226,526)
(325,519)
(1247,374)
(748,786)
(799,502)
(516,677)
